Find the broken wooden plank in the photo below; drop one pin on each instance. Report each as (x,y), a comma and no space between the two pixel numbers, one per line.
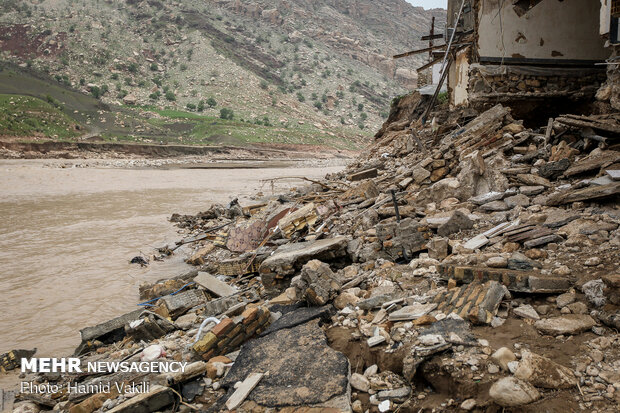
(537,232)
(213,285)
(298,220)
(587,122)
(549,131)
(584,194)
(593,163)
(243,390)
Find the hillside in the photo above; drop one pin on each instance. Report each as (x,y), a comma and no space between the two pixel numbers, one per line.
(306,72)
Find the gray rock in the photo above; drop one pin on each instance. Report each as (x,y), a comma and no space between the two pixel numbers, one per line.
(495,206)
(518,261)
(566,324)
(288,259)
(360,382)
(457,222)
(565,299)
(543,372)
(420,174)
(532,190)
(511,392)
(486,198)
(497,262)
(503,356)
(517,200)
(594,291)
(526,311)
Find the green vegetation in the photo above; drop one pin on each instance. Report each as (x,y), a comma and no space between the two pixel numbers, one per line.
(28,117)
(226,113)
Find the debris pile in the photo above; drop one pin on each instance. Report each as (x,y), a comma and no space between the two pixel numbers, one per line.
(467,264)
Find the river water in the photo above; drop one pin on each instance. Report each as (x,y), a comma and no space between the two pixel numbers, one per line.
(67,235)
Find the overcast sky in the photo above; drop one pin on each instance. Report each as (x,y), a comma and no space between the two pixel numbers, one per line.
(429,4)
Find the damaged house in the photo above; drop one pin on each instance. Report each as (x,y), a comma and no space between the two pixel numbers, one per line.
(536,56)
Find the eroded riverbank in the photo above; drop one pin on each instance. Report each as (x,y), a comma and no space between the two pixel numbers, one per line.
(67,235)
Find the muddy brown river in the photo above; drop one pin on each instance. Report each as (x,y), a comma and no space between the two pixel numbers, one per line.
(67,235)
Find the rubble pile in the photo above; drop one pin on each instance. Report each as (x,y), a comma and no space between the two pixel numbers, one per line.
(467,264)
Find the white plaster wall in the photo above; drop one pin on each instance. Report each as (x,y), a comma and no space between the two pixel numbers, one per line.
(552,29)
(458,78)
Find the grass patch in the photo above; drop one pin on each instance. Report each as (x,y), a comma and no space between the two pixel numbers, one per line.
(30,116)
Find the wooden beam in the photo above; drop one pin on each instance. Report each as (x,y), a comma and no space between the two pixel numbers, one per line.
(428,49)
(432,37)
(429,64)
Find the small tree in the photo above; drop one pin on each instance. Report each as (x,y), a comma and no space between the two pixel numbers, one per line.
(211,102)
(201,106)
(226,113)
(170,96)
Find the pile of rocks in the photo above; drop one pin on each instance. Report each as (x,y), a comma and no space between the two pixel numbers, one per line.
(450,267)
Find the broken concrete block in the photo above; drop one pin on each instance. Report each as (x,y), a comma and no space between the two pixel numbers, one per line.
(438,248)
(290,258)
(519,281)
(457,222)
(566,324)
(412,312)
(176,305)
(214,285)
(108,332)
(397,239)
(366,174)
(321,284)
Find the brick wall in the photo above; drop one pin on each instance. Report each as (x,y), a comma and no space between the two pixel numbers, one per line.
(230,333)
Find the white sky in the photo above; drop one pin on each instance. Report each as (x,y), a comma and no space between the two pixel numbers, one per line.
(430,4)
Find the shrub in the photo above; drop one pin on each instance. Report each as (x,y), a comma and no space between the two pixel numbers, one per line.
(211,102)
(301,97)
(154,67)
(201,106)
(183,67)
(191,107)
(360,107)
(133,67)
(318,105)
(155,95)
(363,116)
(96,92)
(170,96)
(226,113)
(264,85)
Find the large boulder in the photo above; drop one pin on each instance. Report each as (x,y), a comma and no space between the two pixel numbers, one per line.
(543,372)
(512,392)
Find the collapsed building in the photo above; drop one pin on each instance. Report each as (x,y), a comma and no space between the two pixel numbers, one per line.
(536,56)
(464,263)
